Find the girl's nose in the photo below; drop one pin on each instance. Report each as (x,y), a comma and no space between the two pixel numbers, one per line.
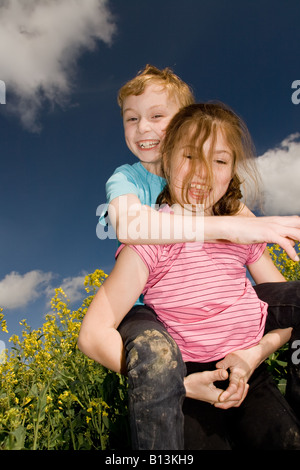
(201,170)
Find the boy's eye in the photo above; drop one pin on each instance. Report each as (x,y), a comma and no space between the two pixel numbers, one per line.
(131,119)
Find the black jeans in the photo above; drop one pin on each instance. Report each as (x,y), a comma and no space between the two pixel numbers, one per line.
(264,420)
(283,299)
(156,391)
(155,377)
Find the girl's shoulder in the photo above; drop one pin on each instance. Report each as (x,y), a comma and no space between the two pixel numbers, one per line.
(244,211)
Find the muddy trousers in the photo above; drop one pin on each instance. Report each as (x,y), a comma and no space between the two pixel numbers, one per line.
(156,372)
(155,378)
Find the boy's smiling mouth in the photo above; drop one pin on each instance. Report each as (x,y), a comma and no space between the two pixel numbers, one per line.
(148,144)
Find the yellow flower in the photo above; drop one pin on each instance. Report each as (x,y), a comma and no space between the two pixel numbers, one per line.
(3,321)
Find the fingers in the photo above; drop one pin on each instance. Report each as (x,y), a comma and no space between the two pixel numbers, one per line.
(225,363)
(209,377)
(200,385)
(288,247)
(215,375)
(227,400)
(235,389)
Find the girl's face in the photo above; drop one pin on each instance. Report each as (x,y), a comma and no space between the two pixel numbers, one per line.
(201,188)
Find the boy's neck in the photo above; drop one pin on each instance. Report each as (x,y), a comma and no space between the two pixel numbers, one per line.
(153,167)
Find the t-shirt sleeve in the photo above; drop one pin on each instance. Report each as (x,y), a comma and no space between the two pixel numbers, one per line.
(255,252)
(117,185)
(148,253)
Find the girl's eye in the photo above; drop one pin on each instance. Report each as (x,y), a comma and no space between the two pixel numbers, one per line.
(157,116)
(221,162)
(189,157)
(131,119)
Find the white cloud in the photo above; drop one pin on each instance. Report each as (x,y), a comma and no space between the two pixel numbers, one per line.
(17,290)
(73,287)
(40,42)
(280,174)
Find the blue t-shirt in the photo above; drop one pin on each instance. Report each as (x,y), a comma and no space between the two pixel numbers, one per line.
(133,179)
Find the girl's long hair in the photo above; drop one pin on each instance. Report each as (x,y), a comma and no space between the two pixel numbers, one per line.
(191,127)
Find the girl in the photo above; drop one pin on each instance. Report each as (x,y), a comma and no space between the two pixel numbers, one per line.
(200,292)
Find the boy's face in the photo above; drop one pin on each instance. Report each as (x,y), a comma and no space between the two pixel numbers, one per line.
(145,119)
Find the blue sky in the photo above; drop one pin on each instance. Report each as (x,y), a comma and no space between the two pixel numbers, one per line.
(63,62)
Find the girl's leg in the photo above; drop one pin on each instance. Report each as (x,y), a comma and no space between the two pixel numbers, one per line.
(155,376)
(283,299)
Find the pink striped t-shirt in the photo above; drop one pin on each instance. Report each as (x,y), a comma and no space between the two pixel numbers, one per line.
(202,295)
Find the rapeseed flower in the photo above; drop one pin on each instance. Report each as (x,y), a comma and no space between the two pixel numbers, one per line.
(51,395)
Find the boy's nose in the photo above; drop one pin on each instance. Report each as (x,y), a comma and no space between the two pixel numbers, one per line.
(143,125)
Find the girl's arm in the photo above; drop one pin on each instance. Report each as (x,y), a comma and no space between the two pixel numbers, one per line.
(98,337)
(138,224)
(264,270)
(242,363)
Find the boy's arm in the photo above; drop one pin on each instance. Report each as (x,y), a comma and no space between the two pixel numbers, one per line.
(98,337)
(138,224)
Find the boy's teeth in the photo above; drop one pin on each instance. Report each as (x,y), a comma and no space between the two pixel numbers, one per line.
(149,144)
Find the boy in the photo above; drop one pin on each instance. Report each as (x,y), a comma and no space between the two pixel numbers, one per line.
(148,102)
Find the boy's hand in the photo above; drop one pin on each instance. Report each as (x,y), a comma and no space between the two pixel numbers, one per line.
(275,229)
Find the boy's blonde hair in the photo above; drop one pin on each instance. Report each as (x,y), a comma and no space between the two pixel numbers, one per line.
(165,78)
(193,125)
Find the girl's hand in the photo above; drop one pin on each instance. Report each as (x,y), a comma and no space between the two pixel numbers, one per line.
(200,385)
(242,364)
